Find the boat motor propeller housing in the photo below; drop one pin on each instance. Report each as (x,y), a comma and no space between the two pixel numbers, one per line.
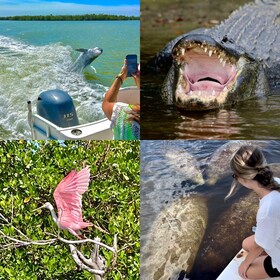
(57,107)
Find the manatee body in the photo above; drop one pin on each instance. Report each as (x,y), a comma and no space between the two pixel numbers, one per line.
(224,237)
(86,57)
(169,248)
(275,168)
(219,164)
(185,164)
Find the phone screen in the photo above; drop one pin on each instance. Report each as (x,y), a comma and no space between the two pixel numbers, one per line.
(131,64)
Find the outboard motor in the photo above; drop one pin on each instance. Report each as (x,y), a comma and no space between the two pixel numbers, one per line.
(57,107)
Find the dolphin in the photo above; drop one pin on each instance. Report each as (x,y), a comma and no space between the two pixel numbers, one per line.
(86,57)
(170,245)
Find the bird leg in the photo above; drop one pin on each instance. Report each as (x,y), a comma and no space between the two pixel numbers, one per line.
(78,235)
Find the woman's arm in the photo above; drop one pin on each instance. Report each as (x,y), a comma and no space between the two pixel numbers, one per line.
(111,95)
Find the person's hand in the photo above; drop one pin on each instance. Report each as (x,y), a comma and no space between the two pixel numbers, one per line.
(136,77)
(123,73)
(243,269)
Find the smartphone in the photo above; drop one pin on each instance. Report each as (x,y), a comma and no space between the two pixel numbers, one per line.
(131,60)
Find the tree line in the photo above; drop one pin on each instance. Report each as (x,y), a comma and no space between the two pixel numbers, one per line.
(71,17)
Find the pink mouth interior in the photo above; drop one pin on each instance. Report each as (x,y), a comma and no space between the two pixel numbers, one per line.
(207,73)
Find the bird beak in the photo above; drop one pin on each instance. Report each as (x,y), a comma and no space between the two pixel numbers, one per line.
(38,208)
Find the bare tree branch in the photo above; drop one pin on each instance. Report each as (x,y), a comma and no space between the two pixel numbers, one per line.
(95,264)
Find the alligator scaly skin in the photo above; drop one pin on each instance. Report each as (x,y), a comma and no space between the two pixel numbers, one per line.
(256,27)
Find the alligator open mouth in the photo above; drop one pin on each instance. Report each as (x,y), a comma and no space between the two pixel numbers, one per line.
(207,73)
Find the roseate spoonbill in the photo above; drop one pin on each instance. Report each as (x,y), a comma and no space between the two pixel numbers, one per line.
(68,199)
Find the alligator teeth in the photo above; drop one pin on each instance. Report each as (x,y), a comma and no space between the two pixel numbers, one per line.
(210,53)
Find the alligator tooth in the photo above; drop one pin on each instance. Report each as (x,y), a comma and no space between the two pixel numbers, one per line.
(215,51)
(199,93)
(190,93)
(213,92)
(205,50)
(224,63)
(210,53)
(182,51)
(221,60)
(225,89)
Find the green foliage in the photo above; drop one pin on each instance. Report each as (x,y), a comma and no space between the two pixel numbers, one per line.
(29,173)
(71,17)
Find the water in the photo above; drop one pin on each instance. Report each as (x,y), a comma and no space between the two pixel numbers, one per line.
(162,21)
(36,56)
(165,183)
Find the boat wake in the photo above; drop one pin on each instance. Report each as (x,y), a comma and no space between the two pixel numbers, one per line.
(26,70)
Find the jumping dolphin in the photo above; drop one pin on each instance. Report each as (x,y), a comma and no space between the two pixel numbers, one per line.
(86,57)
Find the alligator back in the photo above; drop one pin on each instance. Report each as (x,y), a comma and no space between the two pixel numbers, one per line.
(256,27)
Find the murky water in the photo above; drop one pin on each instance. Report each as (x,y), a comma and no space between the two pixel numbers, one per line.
(174,197)
(164,20)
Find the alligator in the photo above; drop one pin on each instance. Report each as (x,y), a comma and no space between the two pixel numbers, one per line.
(231,62)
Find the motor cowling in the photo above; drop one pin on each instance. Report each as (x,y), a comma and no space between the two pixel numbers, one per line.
(57,107)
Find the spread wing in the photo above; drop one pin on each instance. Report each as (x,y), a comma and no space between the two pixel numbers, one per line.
(68,198)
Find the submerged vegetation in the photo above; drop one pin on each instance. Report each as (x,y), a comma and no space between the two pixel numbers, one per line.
(71,17)
(29,173)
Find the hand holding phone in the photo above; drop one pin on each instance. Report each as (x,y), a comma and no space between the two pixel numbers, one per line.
(131,60)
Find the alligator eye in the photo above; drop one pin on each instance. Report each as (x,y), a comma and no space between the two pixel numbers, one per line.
(225,39)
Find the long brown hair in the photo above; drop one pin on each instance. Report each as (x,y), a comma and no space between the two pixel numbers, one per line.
(250,163)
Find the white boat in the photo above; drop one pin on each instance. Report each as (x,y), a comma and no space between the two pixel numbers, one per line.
(231,270)
(42,128)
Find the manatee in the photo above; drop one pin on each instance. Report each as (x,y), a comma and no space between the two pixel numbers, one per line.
(219,164)
(275,168)
(224,237)
(169,248)
(185,164)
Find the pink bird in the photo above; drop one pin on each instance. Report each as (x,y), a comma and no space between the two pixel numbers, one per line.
(68,199)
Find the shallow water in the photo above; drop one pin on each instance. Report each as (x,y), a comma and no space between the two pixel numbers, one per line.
(37,57)
(164,20)
(165,182)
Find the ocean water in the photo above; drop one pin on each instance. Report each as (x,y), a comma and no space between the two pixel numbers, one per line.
(36,56)
(170,177)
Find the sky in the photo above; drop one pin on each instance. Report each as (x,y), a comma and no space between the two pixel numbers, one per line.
(69,7)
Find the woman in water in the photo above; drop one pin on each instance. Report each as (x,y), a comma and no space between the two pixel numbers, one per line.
(250,170)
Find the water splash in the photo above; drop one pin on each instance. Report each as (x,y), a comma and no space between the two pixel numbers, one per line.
(26,70)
